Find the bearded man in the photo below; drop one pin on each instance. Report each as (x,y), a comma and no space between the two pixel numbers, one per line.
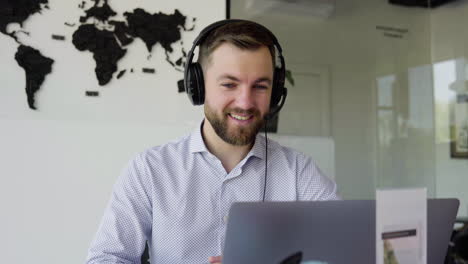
(176,197)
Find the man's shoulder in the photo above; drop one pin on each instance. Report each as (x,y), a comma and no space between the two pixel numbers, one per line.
(178,145)
(312,184)
(277,148)
(169,150)
(158,160)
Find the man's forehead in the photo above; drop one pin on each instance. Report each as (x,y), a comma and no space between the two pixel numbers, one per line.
(233,77)
(230,53)
(229,48)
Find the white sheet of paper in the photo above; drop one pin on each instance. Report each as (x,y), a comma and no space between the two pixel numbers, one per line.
(401,226)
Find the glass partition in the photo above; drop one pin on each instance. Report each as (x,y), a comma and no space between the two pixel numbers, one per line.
(386,82)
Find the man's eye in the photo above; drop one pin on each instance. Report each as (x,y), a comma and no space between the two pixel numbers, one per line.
(228,85)
(263,87)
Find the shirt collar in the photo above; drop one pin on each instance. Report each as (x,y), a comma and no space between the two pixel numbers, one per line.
(258,149)
(197,144)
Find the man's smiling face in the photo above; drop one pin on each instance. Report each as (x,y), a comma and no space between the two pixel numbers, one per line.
(238,85)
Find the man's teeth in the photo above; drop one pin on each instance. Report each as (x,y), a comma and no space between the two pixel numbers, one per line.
(240,117)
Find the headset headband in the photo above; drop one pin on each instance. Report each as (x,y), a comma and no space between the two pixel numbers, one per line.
(207,30)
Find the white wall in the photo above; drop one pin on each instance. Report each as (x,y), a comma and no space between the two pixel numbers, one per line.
(59,163)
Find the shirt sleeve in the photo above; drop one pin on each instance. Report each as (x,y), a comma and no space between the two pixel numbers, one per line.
(312,184)
(126,224)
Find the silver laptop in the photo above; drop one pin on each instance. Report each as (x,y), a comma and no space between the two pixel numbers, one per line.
(333,232)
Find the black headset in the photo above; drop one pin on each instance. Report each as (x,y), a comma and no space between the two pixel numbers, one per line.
(194,82)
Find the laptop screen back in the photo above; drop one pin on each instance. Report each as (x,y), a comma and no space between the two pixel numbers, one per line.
(333,232)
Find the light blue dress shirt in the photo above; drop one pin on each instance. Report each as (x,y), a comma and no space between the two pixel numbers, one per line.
(177,197)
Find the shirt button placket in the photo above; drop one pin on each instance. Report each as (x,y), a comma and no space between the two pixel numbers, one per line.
(224,206)
(221,229)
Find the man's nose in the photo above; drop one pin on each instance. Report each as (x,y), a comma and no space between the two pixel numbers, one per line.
(245,98)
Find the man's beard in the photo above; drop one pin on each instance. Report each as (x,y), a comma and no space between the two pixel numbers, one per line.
(239,136)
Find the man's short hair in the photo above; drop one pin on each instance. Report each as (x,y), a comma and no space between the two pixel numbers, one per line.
(244,35)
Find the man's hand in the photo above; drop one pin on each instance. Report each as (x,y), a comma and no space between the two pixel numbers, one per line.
(215,260)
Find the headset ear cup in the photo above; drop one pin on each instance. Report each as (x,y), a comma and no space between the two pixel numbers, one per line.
(189,83)
(200,83)
(278,87)
(195,84)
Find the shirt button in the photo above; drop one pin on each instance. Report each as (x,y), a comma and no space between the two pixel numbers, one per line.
(225,219)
